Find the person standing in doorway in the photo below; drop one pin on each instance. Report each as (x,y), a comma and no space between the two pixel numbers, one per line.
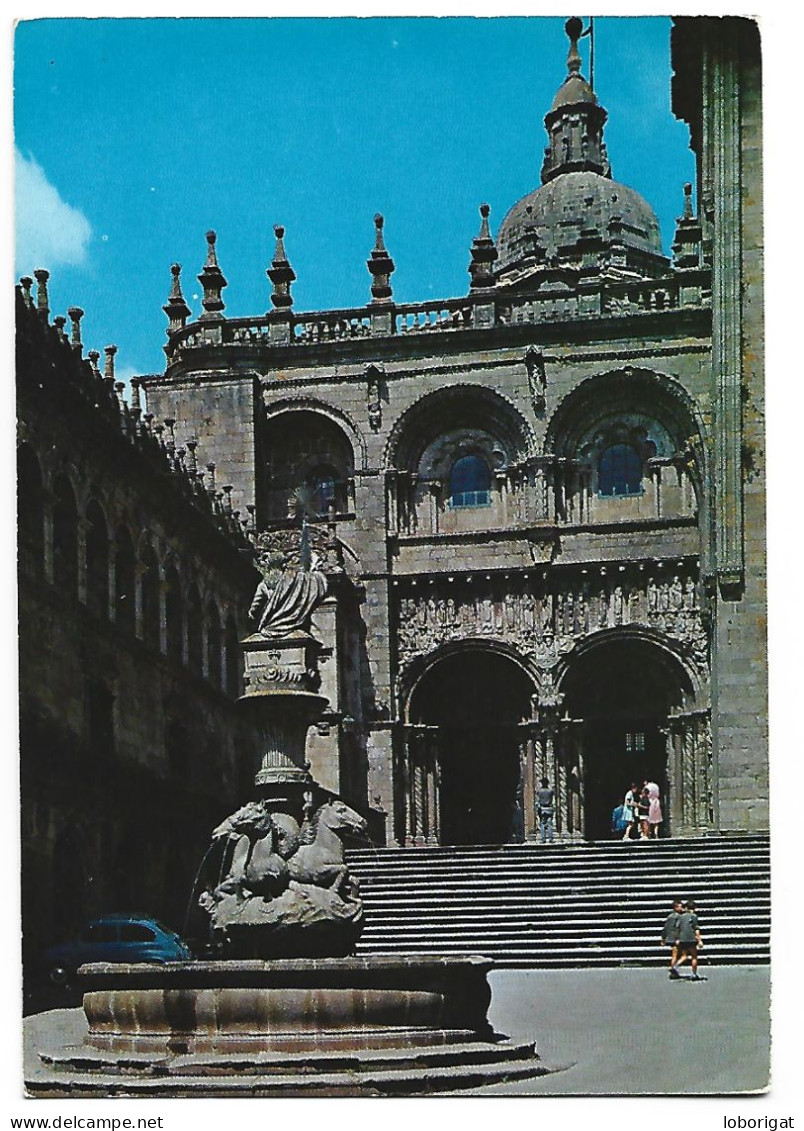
(655,816)
(630,811)
(643,809)
(545,800)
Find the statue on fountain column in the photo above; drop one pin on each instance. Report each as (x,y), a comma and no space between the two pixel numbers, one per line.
(287,597)
(283,888)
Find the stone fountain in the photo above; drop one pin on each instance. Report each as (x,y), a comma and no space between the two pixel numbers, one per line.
(287,1008)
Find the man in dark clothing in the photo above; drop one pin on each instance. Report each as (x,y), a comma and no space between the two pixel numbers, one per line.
(689,939)
(670,935)
(546,805)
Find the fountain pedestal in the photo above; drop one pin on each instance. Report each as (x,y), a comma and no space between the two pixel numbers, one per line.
(279,679)
(369,1026)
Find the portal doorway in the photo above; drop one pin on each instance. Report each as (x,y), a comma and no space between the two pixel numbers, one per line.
(471,706)
(621,692)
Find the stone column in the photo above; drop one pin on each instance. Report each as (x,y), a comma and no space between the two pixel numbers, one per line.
(432,788)
(82,526)
(691,781)
(434,497)
(529,783)
(162,589)
(139,572)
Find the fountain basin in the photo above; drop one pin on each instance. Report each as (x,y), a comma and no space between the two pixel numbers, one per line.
(222,1004)
(369,1025)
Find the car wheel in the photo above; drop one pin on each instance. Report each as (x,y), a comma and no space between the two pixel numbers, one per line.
(59,976)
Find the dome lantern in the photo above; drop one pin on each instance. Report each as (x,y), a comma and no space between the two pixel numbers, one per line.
(575,121)
(579,217)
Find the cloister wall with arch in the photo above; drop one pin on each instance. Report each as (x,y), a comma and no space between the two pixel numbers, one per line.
(131,596)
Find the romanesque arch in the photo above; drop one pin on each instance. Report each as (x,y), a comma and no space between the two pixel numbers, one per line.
(448,457)
(632,706)
(30,511)
(630,445)
(310,451)
(65,537)
(97,557)
(466,708)
(561,628)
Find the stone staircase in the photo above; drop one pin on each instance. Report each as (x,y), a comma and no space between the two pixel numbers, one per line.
(560,905)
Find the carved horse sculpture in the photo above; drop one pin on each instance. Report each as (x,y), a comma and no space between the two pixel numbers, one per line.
(322,862)
(257,864)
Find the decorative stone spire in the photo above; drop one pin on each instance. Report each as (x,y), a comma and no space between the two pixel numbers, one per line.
(213,282)
(108,373)
(380,265)
(281,273)
(687,201)
(483,254)
(42,300)
(687,251)
(75,314)
(136,402)
(575,121)
(60,322)
(26,282)
(176,308)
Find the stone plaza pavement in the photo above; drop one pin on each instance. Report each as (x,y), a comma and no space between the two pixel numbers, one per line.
(675,1038)
(699,1038)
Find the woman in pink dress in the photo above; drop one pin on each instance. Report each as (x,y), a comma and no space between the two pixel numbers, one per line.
(655,809)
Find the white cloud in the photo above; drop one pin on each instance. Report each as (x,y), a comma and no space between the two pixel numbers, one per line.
(49,231)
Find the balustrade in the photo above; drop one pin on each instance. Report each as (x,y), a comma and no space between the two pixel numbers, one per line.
(612,298)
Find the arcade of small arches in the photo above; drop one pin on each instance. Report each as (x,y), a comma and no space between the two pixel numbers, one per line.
(69,540)
(483,725)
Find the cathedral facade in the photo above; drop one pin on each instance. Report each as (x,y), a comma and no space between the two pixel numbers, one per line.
(548,492)
(542,506)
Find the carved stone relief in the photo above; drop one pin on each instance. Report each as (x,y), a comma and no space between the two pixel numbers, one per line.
(543,623)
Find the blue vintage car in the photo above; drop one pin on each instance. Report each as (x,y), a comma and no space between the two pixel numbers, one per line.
(114,938)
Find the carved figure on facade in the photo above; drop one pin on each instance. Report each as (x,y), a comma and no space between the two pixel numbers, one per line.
(537,378)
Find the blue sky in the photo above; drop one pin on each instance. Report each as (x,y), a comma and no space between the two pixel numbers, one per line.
(135,137)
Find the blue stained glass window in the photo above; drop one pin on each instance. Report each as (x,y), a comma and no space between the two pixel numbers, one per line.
(470,482)
(620,471)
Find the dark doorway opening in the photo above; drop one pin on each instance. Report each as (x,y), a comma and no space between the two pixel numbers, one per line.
(476,699)
(622,691)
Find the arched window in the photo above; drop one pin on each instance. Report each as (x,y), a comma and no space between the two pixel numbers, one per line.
(213,644)
(306,452)
(30,509)
(65,538)
(124,581)
(174,616)
(97,551)
(149,594)
(326,489)
(195,632)
(232,645)
(620,470)
(470,482)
